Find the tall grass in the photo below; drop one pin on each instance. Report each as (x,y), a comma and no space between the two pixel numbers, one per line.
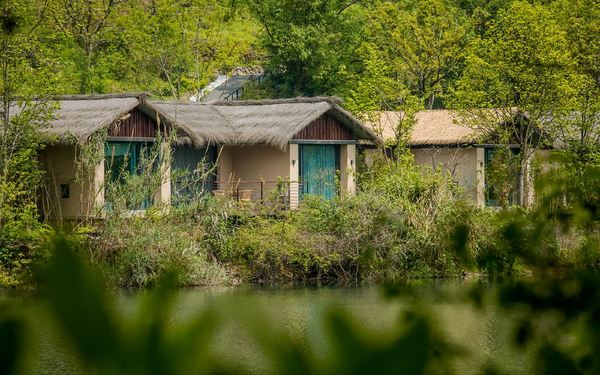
(405,222)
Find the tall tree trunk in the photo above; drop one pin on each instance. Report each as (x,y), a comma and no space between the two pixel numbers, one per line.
(6,100)
(431,101)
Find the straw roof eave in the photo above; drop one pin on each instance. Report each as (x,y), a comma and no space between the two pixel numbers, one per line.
(273,122)
(75,121)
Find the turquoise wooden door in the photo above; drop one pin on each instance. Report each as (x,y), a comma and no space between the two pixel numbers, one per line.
(318,166)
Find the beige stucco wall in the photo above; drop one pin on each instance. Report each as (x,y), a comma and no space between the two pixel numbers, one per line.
(461,163)
(225,163)
(261,162)
(253,163)
(59,164)
(245,167)
(294,160)
(480,177)
(163,195)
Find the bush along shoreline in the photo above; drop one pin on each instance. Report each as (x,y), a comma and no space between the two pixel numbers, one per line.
(396,227)
(405,222)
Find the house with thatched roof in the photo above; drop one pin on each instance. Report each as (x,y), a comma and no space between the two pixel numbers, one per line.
(296,145)
(91,138)
(251,149)
(451,141)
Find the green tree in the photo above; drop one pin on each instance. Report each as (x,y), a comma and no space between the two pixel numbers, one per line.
(482,12)
(581,20)
(20,140)
(90,25)
(308,42)
(578,130)
(523,69)
(422,42)
(377,89)
(176,48)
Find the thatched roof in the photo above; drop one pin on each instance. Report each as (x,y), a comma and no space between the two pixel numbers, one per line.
(431,128)
(206,123)
(81,118)
(77,117)
(273,122)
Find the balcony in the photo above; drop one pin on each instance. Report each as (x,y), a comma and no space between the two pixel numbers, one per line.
(284,194)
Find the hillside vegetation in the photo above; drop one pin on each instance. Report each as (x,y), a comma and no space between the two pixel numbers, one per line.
(541,58)
(373,53)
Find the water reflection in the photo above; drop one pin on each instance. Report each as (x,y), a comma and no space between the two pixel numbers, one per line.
(482,335)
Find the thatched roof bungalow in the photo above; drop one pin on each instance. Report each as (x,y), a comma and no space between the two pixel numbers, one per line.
(451,141)
(249,148)
(304,142)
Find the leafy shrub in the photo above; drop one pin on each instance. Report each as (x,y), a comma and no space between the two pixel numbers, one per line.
(22,240)
(137,251)
(398,226)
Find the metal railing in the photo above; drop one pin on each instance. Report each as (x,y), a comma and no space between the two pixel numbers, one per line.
(269,193)
(240,90)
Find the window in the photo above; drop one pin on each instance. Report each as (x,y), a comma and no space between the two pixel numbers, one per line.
(123,160)
(192,173)
(64,191)
(501,176)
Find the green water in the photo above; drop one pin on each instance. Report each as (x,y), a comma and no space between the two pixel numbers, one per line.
(482,335)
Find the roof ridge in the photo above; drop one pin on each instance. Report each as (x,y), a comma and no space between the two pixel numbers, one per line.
(138,95)
(438,110)
(298,99)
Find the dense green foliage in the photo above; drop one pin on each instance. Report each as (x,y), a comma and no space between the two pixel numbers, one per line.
(557,314)
(21,233)
(401,225)
(174,48)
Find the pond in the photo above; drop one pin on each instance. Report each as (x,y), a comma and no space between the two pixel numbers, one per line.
(482,334)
